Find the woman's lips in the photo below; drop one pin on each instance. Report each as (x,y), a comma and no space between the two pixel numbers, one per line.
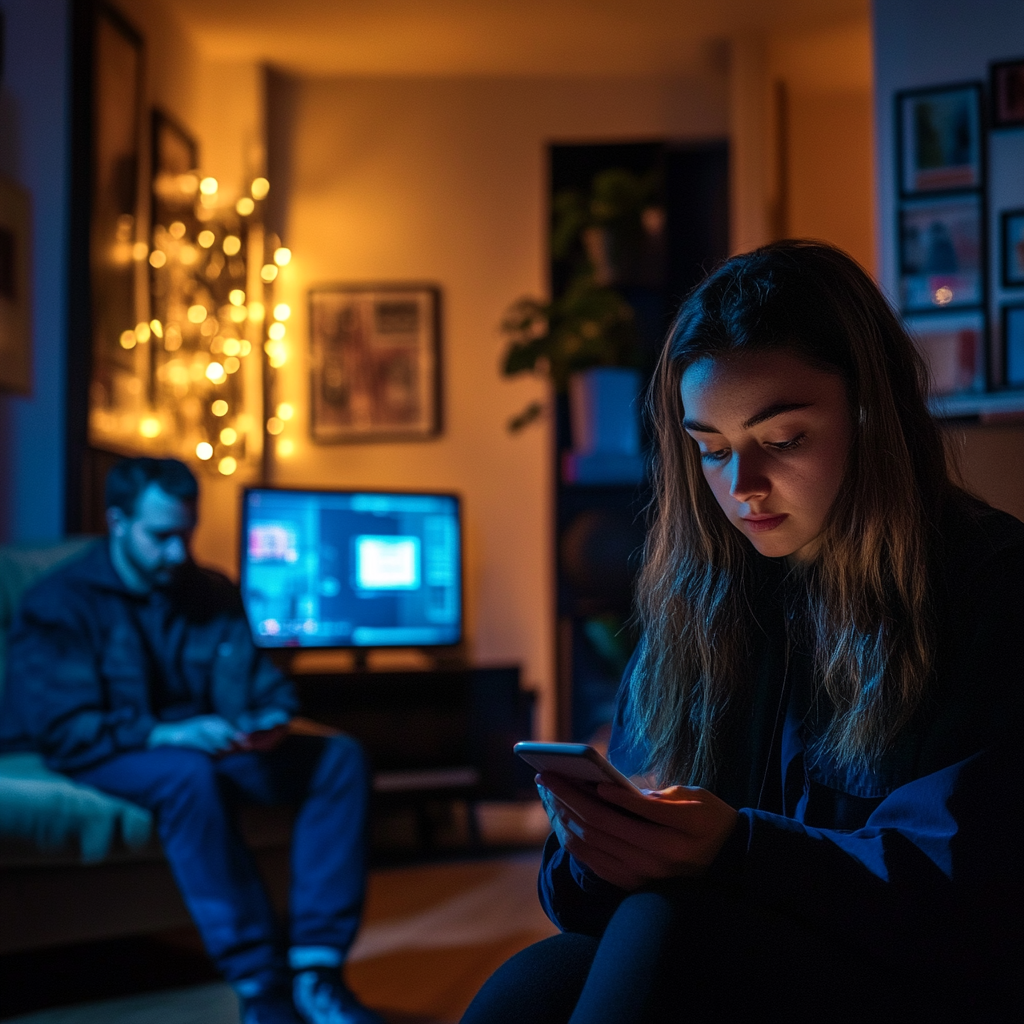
(762,524)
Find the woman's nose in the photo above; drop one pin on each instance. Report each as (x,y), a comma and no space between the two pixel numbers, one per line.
(749,479)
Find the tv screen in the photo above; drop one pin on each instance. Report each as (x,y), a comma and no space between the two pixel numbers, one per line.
(351,569)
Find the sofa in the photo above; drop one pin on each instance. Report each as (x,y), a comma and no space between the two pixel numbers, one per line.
(75,863)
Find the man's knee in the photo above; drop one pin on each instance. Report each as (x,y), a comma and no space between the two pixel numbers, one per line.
(343,762)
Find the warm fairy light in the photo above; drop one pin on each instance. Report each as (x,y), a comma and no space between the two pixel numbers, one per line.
(158,328)
(157,259)
(149,427)
(128,339)
(286,410)
(140,251)
(282,311)
(209,186)
(244,206)
(276,331)
(173,340)
(238,314)
(232,245)
(204,450)
(277,353)
(236,297)
(215,371)
(257,311)
(231,346)
(177,229)
(232,364)
(268,272)
(206,238)
(285,447)
(227,465)
(274,425)
(246,347)
(197,313)
(259,188)
(943,296)
(228,435)
(142,332)
(188,255)
(282,256)
(219,408)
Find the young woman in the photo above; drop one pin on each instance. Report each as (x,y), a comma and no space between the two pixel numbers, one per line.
(825,703)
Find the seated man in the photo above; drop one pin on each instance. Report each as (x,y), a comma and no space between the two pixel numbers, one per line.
(133,670)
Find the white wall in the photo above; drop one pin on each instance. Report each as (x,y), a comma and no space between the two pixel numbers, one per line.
(34,151)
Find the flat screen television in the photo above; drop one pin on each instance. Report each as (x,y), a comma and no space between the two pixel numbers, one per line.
(354,569)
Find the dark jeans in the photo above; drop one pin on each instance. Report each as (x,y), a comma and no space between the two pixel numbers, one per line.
(692,953)
(193,796)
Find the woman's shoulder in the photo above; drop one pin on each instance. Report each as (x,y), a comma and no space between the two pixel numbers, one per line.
(976,541)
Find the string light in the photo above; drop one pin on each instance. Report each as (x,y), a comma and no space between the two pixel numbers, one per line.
(285,411)
(197,313)
(282,311)
(206,238)
(208,186)
(128,339)
(228,435)
(204,451)
(157,259)
(268,273)
(227,465)
(276,331)
(219,408)
(274,426)
(142,332)
(232,245)
(282,256)
(149,427)
(236,297)
(259,188)
(244,206)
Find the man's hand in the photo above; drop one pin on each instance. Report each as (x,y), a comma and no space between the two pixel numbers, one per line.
(263,730)
(209,733)
(631,839)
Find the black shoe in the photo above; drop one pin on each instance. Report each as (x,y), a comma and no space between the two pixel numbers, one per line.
(321,997)
(269,1008)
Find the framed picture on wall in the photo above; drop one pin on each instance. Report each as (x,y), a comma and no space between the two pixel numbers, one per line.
(1011,255)
(1007,89)
(375,366)
(1013,345)
(941,250)
(953,346)
(939,142)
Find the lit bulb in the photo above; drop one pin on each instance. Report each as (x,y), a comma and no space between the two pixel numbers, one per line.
(231,364)
(244,206)
(236,297)
(142,332)
(197,313)
(276,331)
(204,450)
(246,347)
(231,346)
(177,229)
(158,328)
(227,465)
(208,186)
(285,447)
(128,339)
(282,256)
(149,427)
(286,410)
(259,188)
(228,435)
(215,372)
(268,273)
(232,245)
(282,311)
(206,238)
(274,425)
(257,312)
(219,408)
(140,250)
(238,314)
(157,259)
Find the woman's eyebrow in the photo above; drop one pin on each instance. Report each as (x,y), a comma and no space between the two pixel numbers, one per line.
(767,413)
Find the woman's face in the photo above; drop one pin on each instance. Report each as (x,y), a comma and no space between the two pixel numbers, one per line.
(774,434)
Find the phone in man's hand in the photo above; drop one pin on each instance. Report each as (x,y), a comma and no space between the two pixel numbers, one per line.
(574,761)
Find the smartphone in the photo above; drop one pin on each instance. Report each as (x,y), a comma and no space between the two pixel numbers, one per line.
(574,761)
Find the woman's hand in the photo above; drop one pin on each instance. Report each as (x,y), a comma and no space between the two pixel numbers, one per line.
(632,839)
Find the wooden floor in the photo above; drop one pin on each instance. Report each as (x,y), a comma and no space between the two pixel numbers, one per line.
(432,935)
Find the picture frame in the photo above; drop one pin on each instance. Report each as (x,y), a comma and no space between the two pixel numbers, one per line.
(1012,331)
(15,289)
(375,362)
(954,345)
(940,139)
(1011,249)
(941,252)
(1006,87)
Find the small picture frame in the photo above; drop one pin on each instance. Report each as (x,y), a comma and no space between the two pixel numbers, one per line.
(1011,251)
(375,366)
(1006,85)
(941,253)
(953,346)
(939,139)
(1013,345)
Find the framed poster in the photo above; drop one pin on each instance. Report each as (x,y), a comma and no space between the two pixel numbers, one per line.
(15,291)
(1011,250)
(939,139)
(941,253)
(375,367)
(953,346)
(1007,89)
(1013,345)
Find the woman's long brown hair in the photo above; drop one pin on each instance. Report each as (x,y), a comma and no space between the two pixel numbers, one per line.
(868,606)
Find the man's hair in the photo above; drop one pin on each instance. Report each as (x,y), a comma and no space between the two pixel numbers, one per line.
(130,477)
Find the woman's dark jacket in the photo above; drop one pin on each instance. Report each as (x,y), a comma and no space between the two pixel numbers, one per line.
(916,863)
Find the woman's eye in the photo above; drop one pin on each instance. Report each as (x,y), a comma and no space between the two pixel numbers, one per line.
(785,446)
(719,456)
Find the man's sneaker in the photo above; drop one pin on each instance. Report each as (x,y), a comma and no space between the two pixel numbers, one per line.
(321,997)
(269,1008)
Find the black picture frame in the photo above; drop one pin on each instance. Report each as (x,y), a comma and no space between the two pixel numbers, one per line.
(1011,248)
(941,245)
(940,139)
(375,362)
(1006,88)
(1012,335)
(954,344)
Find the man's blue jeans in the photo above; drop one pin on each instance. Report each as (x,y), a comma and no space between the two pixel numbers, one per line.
(193,795)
